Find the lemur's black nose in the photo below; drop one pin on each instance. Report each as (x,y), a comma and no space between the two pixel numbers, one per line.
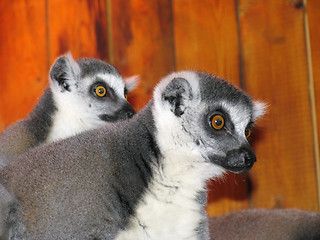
(128,111)
(130,114)
(249,157)
(240,160)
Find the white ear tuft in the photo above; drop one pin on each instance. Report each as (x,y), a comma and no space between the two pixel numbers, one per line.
(132,82)
(259,109)
(74,67)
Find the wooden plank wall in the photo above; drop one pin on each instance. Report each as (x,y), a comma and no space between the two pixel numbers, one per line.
(269,48)
(274,51)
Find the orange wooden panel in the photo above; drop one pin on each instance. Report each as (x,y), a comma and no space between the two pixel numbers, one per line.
(313,11)
(23,57)
(206,39)
(79,26)
(275,69)
(142,41)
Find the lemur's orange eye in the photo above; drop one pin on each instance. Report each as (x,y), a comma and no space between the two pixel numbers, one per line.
(217,122)
(126,96)
(247,132)
(101,91)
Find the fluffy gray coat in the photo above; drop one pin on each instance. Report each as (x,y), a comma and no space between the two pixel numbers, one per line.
(143,178)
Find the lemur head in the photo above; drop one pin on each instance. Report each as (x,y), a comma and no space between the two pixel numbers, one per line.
(205,116)
(89,92)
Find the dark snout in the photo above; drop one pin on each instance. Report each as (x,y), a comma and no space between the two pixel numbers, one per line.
(126,112)
(240,160)
(123,113)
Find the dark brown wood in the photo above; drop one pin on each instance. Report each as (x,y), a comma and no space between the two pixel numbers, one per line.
(78,26)
(142,40)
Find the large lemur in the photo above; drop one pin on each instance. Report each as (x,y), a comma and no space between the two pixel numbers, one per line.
(143,178)
(81,95)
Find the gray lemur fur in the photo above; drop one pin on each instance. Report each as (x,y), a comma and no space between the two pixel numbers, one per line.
(263,224)
(69,106)
(143,178)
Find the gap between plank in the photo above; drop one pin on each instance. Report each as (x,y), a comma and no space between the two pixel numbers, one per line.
(312,100)
(109,31)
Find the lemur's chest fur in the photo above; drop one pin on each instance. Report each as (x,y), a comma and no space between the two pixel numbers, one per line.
(169,209)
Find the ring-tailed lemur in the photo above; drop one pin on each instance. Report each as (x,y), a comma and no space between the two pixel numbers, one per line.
(81,95)
(143,178)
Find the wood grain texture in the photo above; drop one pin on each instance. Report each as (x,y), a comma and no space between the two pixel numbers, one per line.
(275,70)
(206,39)
(78,26)
(23,57)
(313,15)
(142,41)
(153,38)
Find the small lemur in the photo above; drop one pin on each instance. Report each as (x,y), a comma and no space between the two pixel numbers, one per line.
(143,178)
(81,95)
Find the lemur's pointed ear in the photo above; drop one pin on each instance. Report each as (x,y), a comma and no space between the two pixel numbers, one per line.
(132,82)
(259,109)
(176,93)
(64,72)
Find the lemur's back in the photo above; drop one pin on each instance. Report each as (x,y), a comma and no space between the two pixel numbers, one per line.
(27,133)
(86,191)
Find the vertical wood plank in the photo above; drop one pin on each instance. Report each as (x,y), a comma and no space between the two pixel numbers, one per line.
(23,57)
(275,69)
(79,26)
(142,41)
(313,15)
(206,39)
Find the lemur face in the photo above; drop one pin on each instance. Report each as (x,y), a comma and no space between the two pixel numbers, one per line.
(211,116)
(104,97)
(223,141)
(88,93)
